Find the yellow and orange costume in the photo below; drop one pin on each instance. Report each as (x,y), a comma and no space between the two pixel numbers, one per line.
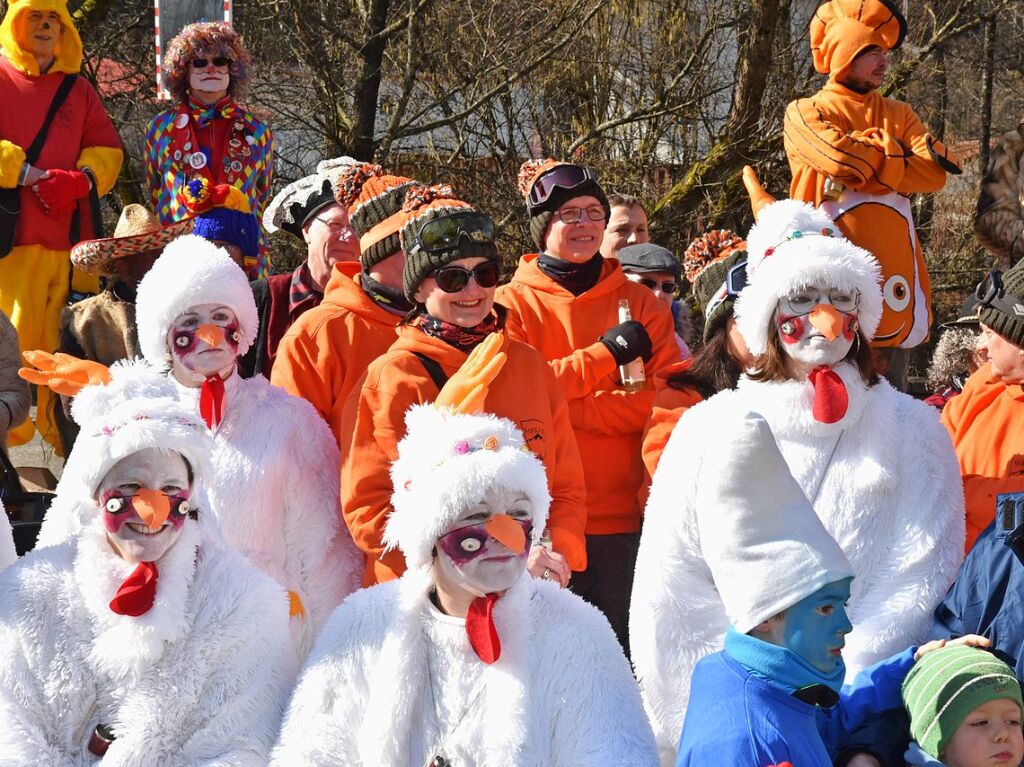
(860,155)
(36,275)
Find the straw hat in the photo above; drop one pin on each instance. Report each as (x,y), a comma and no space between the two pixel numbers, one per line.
(138,230)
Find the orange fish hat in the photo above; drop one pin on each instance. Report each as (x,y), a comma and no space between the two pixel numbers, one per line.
(842,29)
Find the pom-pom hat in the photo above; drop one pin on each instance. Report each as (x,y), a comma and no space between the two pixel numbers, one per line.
(540,215)
(221,212)
(374,200)
(446,462)
(708,262)
(191,271)
(793,246)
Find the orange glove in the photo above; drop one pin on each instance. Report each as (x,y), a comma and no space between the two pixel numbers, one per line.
(466,391)
(63,373)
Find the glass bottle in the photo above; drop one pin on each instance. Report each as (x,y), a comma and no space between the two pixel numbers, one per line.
(632,373)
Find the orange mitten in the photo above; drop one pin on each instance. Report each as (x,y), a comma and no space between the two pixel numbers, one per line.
(466,390)
(62,373)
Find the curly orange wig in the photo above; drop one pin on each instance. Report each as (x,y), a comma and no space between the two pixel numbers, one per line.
(206,38)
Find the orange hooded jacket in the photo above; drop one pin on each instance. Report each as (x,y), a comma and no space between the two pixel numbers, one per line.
(986,423)
(326,352)
(374,418)
(608,421)
(666,410)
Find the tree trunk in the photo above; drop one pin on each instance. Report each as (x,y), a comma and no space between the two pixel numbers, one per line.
(986,94)
(367,90)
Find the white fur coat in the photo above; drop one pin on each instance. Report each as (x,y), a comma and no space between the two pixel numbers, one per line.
(275,492)
(8,553)
(560,695)
(891,498)
(200,679)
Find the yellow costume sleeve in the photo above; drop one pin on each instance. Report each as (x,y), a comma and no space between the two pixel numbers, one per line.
(105,163)
(12,158)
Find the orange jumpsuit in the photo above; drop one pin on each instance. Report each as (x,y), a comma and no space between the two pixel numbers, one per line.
(986,423)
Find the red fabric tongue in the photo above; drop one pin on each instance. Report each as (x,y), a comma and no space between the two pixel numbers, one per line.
(135,596)
(830,396)
(483,635)
(211,401)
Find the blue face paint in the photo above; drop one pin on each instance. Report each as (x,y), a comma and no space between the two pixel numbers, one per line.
(815,626)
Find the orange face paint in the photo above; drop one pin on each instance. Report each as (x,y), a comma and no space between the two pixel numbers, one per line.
(152,506)
(507,531)
(827,320)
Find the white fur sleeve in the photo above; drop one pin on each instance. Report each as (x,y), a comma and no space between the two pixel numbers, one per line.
(676,616)
(8,554)
(925,550)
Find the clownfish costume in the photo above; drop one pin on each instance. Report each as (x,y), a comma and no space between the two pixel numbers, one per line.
(860,156)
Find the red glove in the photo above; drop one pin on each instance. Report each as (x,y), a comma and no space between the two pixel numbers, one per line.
(61,189)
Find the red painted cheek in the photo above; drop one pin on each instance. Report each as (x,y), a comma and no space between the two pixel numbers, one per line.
(850,326)
(791,329)
(232,336)
(184,342)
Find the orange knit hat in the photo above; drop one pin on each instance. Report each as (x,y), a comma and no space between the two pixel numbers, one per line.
(842,29)
(374,199)
(540,216)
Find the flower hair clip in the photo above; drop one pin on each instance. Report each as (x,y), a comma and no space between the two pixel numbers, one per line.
(797,235)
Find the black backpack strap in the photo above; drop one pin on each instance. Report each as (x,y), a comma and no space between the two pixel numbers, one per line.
(434,370)
(32,155)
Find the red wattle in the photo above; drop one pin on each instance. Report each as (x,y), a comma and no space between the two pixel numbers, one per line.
(830,396)
(483,635)
(135,596)
(211,401)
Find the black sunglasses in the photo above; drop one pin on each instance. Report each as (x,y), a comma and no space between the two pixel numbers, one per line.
(666,287)
(218,61)
(564,176)
(452,279)
(445,232)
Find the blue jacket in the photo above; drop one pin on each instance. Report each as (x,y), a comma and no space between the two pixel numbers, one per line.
(987,598)
(737,719)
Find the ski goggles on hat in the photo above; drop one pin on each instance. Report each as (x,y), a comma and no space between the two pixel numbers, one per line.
(467,543)
(990,294)
(735,282)
(452,279)
(446,232)
(803,301)
(561,176)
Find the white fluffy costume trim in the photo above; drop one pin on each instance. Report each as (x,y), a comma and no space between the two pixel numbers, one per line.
(446,463)
(8,553)
(765,546)
(787,251)
(191,271)
(560,695)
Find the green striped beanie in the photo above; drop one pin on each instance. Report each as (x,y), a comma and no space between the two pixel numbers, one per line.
(946,685)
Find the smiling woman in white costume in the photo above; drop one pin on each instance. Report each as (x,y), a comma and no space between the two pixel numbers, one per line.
(876,465)
(465,660)
(143,637)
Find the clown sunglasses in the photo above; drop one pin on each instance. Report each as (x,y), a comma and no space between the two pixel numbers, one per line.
(990,293)
(452,279)
(446,232)
(803,301)
(218,61)
(561,176)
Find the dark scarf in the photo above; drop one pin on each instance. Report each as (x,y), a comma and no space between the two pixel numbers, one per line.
(392,299)
(463,339)
(576,278)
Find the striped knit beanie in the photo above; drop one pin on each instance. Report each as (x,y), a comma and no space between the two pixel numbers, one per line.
(540,217)
(706,262)
(946,685)
(422,204)
(373,198)
(1009,326)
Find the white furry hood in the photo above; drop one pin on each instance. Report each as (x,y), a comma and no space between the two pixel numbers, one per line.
(794,245)
(446,463)
(191,271)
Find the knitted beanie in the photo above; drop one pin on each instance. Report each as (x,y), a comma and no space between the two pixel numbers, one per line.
(706,262)
(946,685)
(843,29)
(540,217)
(221,213)
(422,204)
(374,199)
(1009,326)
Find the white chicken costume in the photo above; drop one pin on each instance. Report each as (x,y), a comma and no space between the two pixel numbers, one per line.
(8,553)
(395,681)
(876,465)
(199,677)
(274,488)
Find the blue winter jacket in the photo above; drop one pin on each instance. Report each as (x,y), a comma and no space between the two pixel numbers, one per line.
(736,719)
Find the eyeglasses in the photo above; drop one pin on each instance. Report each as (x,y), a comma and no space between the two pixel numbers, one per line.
(735,282)
(561,176)
(218,61)
(803,301)
(990,293)
(452,279)
(666,287)
(344,231)
(446,232)
(575,215)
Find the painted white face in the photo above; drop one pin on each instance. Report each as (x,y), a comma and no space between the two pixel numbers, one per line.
(140,501)
(213,76)
(203,341)
(485,551)
(817,324)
